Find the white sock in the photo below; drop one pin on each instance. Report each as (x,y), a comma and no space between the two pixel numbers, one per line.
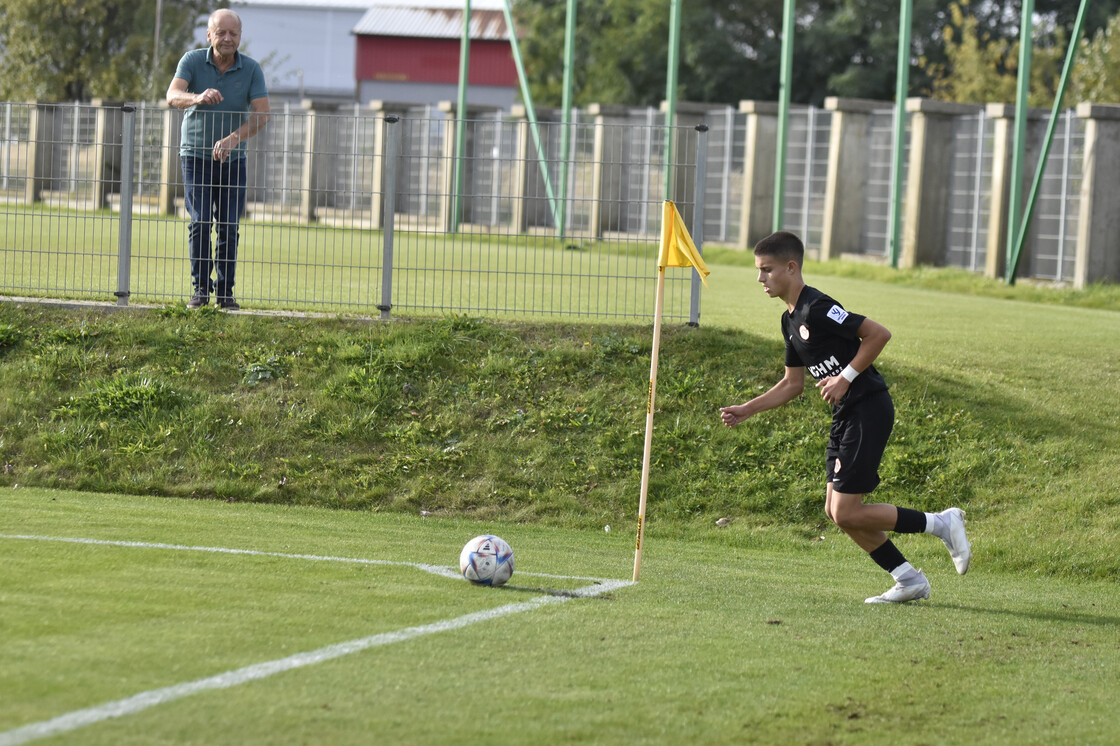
(904,573)
(935,524)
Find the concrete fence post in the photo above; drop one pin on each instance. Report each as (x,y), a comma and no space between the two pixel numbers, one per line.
(108,134)
(379,186)
(607,168)
(929,180)
(683,164)
(845,190)
(170,166)
(1003,121)
(42,126)
(759,162)
(318,160)
(1098,226)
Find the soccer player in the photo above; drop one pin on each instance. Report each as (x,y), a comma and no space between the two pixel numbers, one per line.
(838,348)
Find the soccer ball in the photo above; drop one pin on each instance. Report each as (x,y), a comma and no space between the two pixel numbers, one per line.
(486,560)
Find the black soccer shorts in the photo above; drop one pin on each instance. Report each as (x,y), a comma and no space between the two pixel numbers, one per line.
(856,445)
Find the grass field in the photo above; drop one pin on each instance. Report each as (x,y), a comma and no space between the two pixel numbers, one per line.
(726,639)
(751,634)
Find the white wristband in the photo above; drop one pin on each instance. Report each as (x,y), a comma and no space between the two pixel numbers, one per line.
(849,373)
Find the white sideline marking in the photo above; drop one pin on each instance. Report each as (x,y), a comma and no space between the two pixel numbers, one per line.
(142,701)
(447,572)
(434,569)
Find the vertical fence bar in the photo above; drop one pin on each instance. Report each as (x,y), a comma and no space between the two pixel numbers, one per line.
(566,117)
(496,179)
(355,154)
(1016,229)
(725,184)
(124,249)
(647,166)
(977,193)
(784,82)
(75,145)
(7,141)
(698,218)
(671,94)
(287,130)
(143,145)
(461,122)
(389,184)
(898,140)
(1063,203)
(806,193)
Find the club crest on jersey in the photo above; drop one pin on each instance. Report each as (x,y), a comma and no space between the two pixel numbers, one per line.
(837,314)
(836,469)
(804,332)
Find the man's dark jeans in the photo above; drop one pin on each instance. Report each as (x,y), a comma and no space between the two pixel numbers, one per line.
(215,195)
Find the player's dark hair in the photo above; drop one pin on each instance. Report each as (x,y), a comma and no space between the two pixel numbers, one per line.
(783,246)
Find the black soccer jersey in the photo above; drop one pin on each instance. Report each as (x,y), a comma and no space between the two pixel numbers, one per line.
(823,338)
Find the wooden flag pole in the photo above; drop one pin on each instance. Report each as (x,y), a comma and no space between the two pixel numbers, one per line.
(649,420)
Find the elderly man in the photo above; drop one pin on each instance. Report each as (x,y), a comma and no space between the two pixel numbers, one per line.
(226,100)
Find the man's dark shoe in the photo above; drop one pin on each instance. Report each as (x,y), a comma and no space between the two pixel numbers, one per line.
(229,304)
(198,300)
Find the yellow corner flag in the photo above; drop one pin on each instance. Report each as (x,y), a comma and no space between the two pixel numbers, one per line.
(677,248)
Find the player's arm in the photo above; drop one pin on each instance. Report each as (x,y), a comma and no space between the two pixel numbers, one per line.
(873,337)
(783,392)
(259,114)
(178,97)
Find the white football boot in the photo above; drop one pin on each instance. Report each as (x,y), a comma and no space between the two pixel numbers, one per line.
(955,539)
(915,590)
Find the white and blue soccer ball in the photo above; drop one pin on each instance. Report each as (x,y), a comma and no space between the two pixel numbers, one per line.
(486,560)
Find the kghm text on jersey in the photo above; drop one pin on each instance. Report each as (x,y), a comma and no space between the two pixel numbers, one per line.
(826,368)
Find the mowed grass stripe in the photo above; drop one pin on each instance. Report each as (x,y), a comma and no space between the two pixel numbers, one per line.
(137,703)
(441,570)
(434,569)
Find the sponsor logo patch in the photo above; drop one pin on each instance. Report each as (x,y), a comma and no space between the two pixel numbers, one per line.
(837,314)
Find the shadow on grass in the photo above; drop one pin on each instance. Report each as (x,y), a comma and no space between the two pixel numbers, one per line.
(558,592)
(1067,617)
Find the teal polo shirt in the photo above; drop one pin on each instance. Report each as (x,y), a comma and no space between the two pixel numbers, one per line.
(204,125)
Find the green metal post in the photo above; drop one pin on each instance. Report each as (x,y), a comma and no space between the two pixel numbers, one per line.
(898,146)
(1071,55)
(530,112)
(566,128)
(784,85)
(461,115)
(671,92)
(1015,197)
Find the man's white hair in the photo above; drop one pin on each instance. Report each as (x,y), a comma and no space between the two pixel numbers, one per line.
(221,11)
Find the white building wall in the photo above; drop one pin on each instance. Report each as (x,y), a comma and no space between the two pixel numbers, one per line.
(306,47)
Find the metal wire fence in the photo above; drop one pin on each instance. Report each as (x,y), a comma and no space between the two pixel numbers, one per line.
(365,211)
(92,208)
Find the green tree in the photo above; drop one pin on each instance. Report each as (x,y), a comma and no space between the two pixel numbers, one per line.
(74,50)
(729,50)
(982,66)
(621,51)
(1098,59)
